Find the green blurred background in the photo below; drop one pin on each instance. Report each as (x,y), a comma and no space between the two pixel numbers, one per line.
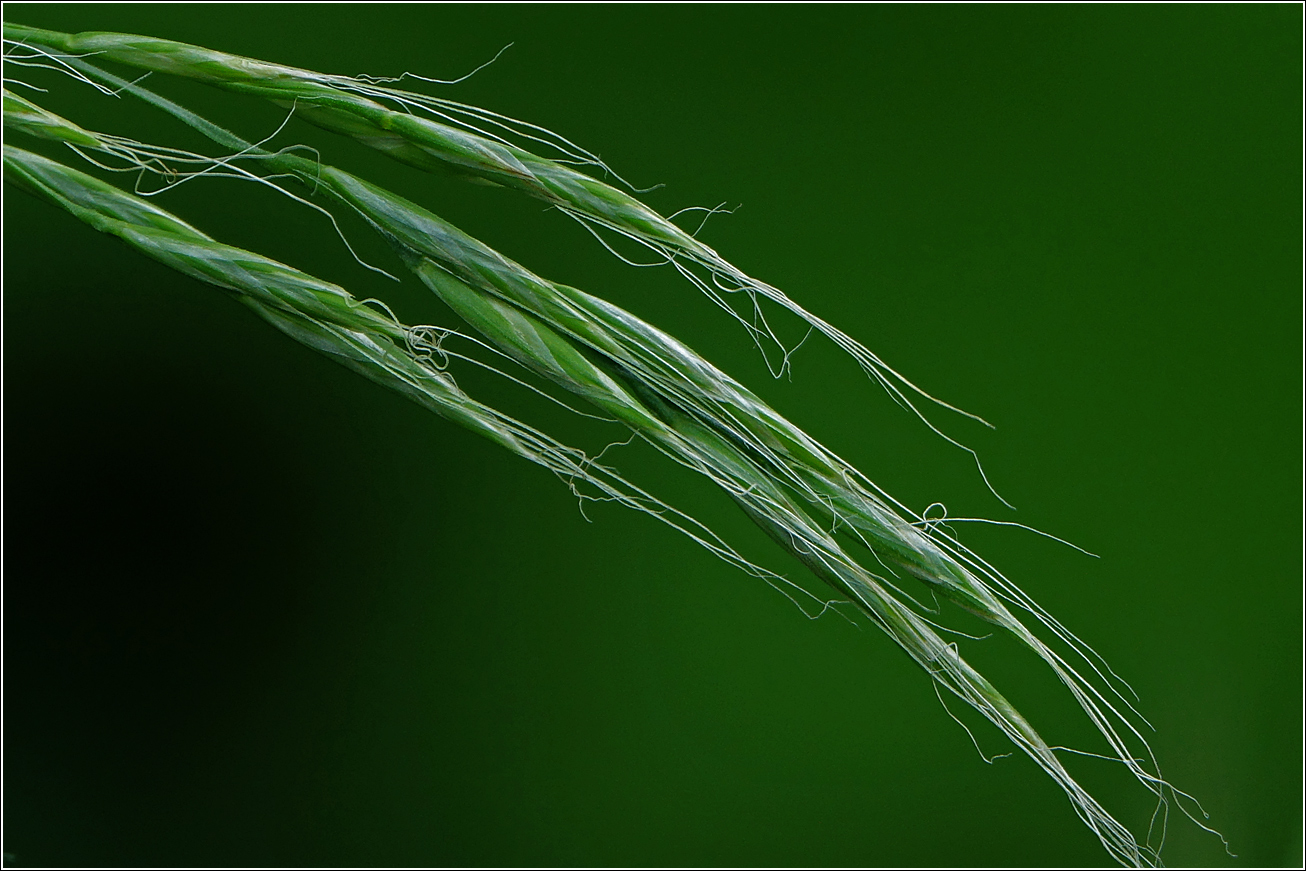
(260,611)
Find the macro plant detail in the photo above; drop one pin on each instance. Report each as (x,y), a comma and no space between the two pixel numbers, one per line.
(818,507)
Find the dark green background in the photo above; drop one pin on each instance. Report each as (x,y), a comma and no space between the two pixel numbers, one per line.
(259,611)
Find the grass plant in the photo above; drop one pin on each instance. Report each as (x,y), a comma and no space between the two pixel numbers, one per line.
(820,508)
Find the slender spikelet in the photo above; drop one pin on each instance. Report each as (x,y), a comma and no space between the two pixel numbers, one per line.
(435,134)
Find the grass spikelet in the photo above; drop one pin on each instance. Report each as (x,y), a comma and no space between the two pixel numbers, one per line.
(435,134)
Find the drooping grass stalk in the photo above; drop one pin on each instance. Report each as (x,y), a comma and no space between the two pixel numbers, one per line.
(797,491)
(700,417)
(452,136)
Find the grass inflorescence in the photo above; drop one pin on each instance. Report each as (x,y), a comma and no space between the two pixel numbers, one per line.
(820,508)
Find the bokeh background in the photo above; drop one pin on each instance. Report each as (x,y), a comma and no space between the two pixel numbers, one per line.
(258,611)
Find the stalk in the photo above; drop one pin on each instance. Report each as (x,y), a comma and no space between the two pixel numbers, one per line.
(449,136)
